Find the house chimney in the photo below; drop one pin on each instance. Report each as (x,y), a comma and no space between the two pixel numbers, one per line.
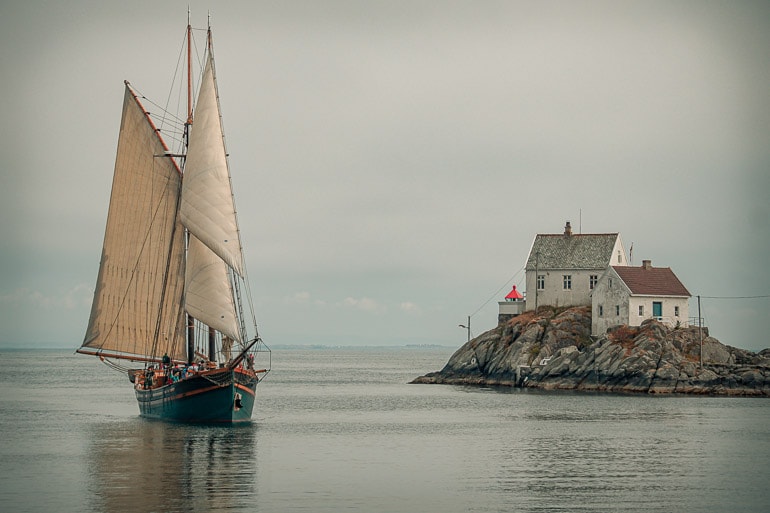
(646,264)
(568,229)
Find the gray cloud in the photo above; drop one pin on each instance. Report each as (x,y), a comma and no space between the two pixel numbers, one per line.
(398,158)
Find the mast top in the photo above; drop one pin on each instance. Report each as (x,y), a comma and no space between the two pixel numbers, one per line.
(189,71)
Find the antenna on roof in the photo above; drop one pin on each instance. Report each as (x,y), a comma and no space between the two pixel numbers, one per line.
(580,222)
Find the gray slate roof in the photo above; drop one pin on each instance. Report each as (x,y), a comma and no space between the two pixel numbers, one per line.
(584,251)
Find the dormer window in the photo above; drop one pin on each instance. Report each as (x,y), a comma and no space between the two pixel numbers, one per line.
(620,257)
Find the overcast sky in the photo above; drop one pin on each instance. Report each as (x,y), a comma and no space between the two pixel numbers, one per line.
(393,161)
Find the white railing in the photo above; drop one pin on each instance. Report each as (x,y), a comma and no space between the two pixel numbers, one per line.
(672,321)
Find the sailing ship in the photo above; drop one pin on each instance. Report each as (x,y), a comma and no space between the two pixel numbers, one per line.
(172,295)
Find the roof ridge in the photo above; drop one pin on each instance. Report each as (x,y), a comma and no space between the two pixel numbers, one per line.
(576,234)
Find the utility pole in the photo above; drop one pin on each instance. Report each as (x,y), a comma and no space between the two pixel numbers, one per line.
(537,278)
(700,331)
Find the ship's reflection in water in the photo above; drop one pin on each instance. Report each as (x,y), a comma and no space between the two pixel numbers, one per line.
(142,465)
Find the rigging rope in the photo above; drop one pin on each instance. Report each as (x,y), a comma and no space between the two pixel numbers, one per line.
(114,365)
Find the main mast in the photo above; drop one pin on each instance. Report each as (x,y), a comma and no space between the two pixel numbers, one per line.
(189,71)
(187,125)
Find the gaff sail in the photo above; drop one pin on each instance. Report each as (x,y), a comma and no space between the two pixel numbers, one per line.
(137,301)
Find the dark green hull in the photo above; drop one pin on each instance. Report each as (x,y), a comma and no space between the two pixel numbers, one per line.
(218,396)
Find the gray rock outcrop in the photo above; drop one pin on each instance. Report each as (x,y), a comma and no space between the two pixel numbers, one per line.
(553,350)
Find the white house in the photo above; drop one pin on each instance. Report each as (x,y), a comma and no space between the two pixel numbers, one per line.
(562,269)
(629,295)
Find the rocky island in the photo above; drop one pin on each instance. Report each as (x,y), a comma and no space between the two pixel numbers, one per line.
(553,350)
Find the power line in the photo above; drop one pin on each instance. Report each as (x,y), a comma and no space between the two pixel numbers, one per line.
(498,291)
(734,297)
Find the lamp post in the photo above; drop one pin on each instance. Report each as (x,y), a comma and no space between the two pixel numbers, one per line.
(468,327)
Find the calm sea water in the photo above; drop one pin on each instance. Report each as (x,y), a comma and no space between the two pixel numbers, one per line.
(339,430)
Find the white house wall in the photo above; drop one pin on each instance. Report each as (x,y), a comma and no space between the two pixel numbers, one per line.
(554,293)
(612,296)
(668,316)
(619,256)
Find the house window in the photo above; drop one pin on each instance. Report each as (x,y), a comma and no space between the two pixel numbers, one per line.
(641,310)
(601,310)
(540,281)
(617,309)
(609,283)
(567,281)
(676,311)
(620,257)
(592,281)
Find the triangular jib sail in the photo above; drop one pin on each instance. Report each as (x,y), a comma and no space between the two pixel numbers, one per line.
(208,295)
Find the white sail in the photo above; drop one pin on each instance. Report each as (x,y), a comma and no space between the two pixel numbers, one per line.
(137,301)
(208,294)
(207,208)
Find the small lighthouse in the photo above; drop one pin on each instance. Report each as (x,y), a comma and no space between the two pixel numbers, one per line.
(514,295)
(511,307)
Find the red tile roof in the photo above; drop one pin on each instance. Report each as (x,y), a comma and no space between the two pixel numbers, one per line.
(652,281)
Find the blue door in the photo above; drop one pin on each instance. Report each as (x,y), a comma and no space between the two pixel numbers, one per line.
(657,309)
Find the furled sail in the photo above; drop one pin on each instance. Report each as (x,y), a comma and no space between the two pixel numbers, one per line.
(208,294)
(137,301)
(207,208)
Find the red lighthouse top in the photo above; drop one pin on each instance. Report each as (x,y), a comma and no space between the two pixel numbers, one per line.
(514,294)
